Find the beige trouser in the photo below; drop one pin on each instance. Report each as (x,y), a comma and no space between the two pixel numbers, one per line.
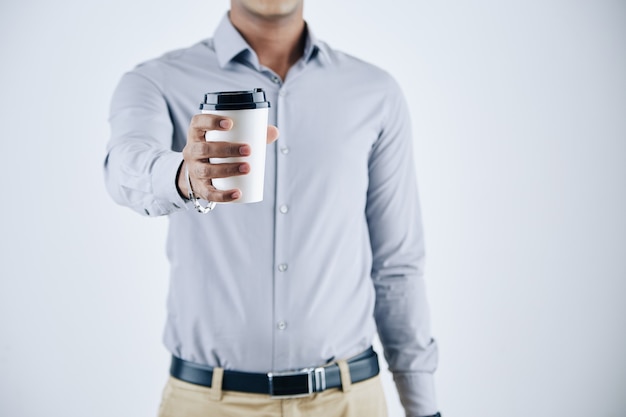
(363,399)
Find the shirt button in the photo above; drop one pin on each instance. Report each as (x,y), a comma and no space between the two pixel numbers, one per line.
(284,150)
(275,79)
(282,92)
(281,325)
(282,267)
(284,208)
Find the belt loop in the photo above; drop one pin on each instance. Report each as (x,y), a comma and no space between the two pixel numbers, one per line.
(344,371)
(216,384)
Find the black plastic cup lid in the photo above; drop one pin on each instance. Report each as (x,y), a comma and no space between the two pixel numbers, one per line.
(235,100)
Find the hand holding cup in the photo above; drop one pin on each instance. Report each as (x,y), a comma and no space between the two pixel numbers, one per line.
(225,151)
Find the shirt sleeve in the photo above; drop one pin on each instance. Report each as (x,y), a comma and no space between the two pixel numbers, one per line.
(396,236)
(140,167)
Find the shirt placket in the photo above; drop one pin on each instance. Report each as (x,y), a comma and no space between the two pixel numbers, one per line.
(282,270)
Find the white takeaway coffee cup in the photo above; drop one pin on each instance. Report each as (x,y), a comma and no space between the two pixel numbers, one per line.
(249,112)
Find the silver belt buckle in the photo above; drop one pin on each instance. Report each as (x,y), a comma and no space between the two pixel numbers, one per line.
(296,384)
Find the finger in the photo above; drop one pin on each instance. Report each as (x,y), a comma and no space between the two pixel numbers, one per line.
(209,193)
(220,196)
(201,123)
(205,150)
(272,134)
(205,171)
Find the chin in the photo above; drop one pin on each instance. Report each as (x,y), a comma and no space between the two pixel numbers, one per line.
(271,9)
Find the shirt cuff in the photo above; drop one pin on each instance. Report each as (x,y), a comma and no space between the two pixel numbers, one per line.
(164,182)
(417,393)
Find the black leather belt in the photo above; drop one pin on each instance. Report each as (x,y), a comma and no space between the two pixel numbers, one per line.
(280,384)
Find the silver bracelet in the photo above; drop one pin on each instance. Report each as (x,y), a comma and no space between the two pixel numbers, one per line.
(193,198)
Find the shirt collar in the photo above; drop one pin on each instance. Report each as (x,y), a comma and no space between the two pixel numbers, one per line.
(229,44)
(313,47)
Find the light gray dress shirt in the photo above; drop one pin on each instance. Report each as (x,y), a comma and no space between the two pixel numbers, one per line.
(335,250)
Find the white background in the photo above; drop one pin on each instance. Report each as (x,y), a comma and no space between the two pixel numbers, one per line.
(519,112)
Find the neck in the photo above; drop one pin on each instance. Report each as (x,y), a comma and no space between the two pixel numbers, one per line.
(278,42)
